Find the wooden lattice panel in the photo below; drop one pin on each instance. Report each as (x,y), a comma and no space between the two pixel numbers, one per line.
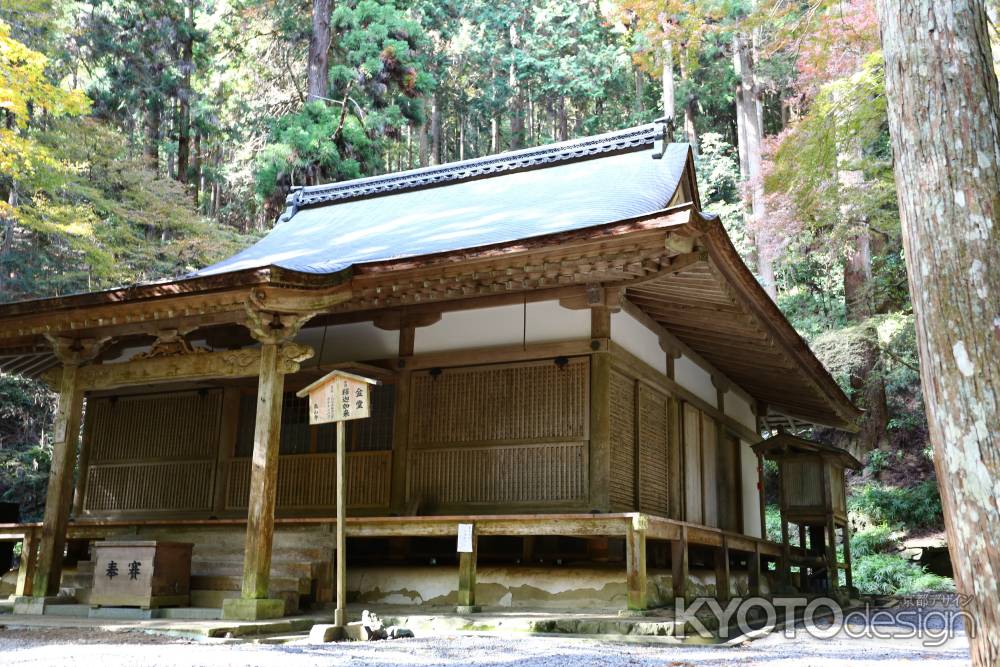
(654,462)
(622,487)
(174,426)
(692,464)
(183,486)
(710,470)
(309,481)
(526,402)
(543,473)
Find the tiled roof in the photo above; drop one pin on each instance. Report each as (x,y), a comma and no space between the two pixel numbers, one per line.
(496,199)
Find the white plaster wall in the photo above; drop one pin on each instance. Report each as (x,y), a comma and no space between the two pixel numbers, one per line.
(482,327)
(355,341)
(751,496)
(738,408)
(537,322)
(696,380)
(636,337)
(549,322)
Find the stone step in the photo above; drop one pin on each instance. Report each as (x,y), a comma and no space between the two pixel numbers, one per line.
(300,585)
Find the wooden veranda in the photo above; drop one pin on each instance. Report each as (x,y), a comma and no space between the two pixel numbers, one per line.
(638,530)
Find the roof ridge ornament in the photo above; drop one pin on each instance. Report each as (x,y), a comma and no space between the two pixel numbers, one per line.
(665,138)
(566,151)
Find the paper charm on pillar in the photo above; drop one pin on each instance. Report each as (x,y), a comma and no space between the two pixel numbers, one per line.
(339,396)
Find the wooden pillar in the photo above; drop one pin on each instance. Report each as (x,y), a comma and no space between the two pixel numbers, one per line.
(831,555)
(679,564)
(722,589)
(401,425)
(600,410)
(277,357)
(635,560)
(760,495)
(784,564)
(848,570)
(263,476)
(467,577)
(753,576)
(26,569)
(66,433)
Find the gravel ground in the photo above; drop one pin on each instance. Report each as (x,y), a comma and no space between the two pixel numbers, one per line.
(47,646)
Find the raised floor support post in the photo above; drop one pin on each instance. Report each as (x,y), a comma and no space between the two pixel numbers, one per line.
(635,559)
(753,576)
(722,590)
(679,564)
(467,577)
(26,569)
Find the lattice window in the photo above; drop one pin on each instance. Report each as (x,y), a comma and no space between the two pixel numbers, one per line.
(298,437)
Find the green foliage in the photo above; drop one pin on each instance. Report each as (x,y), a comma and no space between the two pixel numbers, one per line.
(26,409)
(877,539)
(772,523)
(109,221)
(888,574)
(911,508)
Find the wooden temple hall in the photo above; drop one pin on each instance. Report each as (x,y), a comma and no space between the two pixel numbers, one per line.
(571,358)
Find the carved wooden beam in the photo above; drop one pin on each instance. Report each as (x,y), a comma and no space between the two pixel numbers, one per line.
(184,367)
(75,351)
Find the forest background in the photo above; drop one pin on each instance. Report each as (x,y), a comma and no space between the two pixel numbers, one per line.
(142,140)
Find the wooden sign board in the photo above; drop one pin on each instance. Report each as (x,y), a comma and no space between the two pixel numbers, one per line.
(339,396)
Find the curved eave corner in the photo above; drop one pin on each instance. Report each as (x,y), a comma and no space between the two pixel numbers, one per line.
(727,260)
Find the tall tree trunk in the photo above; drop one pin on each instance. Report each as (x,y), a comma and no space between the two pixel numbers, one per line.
(944,120)
(151,145)
(867,377)
(318,73)
(494,135)
(753,133)
(562,119)
(184,100)
(517,101)
(196,168)
(8,236)
(667,94)
(689,105)
(425,145)
(435,156)
(741,129)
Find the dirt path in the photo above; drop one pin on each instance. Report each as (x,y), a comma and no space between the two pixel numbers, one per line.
(45,646)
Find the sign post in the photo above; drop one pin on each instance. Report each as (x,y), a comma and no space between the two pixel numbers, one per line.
(338,397)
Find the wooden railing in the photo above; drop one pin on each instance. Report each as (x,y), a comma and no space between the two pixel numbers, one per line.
(309,481)
(536,474)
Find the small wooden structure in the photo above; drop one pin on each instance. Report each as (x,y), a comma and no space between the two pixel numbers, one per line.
(142,573)
(813,496)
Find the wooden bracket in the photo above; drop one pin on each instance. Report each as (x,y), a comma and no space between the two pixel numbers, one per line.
(273,327)
(76,351)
